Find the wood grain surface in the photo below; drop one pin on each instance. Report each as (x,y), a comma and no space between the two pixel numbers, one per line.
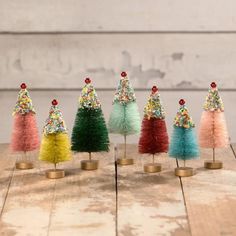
(84,202)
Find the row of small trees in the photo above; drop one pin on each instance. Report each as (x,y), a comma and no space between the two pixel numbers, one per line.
(90,133)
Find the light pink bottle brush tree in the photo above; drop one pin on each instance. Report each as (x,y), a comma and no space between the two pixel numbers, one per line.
(213,131)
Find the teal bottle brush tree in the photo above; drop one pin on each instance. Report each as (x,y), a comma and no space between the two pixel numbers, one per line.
(183,145)
(124,118)
(213,131)
(89,133)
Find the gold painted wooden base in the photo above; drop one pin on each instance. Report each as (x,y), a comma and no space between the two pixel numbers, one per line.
(213,165)
(24,165)
(125,161)
(184,171)
(152,168)
(55,174)
(89,164)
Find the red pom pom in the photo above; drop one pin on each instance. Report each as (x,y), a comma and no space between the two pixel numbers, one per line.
(213,85)
(181,102)
(123,74)
(54,102)
(87,81)
(23,86)
(154,89)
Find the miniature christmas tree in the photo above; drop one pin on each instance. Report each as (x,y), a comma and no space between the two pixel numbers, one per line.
(154,137)
(124,118)
(25,136)
(55,145)
(183,145)
(89,132)
(213,130)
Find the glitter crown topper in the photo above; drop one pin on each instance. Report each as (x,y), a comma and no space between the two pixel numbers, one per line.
(154,108)
(213,100)
(24,103)
(182,118)
(125,92)
(54,123)
(88,97)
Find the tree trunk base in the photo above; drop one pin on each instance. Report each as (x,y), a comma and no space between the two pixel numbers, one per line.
(125,161)
(89,164)
(213,165)
(24,165)
(184,171)
(152,168)
(55,174)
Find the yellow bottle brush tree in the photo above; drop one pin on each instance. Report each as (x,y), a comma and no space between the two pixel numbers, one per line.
(55,145)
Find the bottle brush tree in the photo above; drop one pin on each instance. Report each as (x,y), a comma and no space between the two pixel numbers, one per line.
(89,133)
(55,145)
(154,137)
(25,137)
(213,131)
(124,118)
(183,145)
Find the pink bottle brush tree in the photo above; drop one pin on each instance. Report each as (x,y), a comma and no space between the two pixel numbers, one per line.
(25,136)
(213,129)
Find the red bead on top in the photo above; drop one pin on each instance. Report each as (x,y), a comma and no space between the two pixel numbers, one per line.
(87,81)
(23,86)
(154,89)
(181,102)
(213,85)
(123,74)
(54,102)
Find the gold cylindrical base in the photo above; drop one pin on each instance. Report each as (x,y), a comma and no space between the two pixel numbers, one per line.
(184,171)
(125,161)
(55,174)
(213,165)
(152,167)
(24,165)
(89,164)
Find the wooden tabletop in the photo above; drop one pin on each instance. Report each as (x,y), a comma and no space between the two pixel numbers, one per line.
(86,202)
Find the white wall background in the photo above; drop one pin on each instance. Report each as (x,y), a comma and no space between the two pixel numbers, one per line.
(52,45)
